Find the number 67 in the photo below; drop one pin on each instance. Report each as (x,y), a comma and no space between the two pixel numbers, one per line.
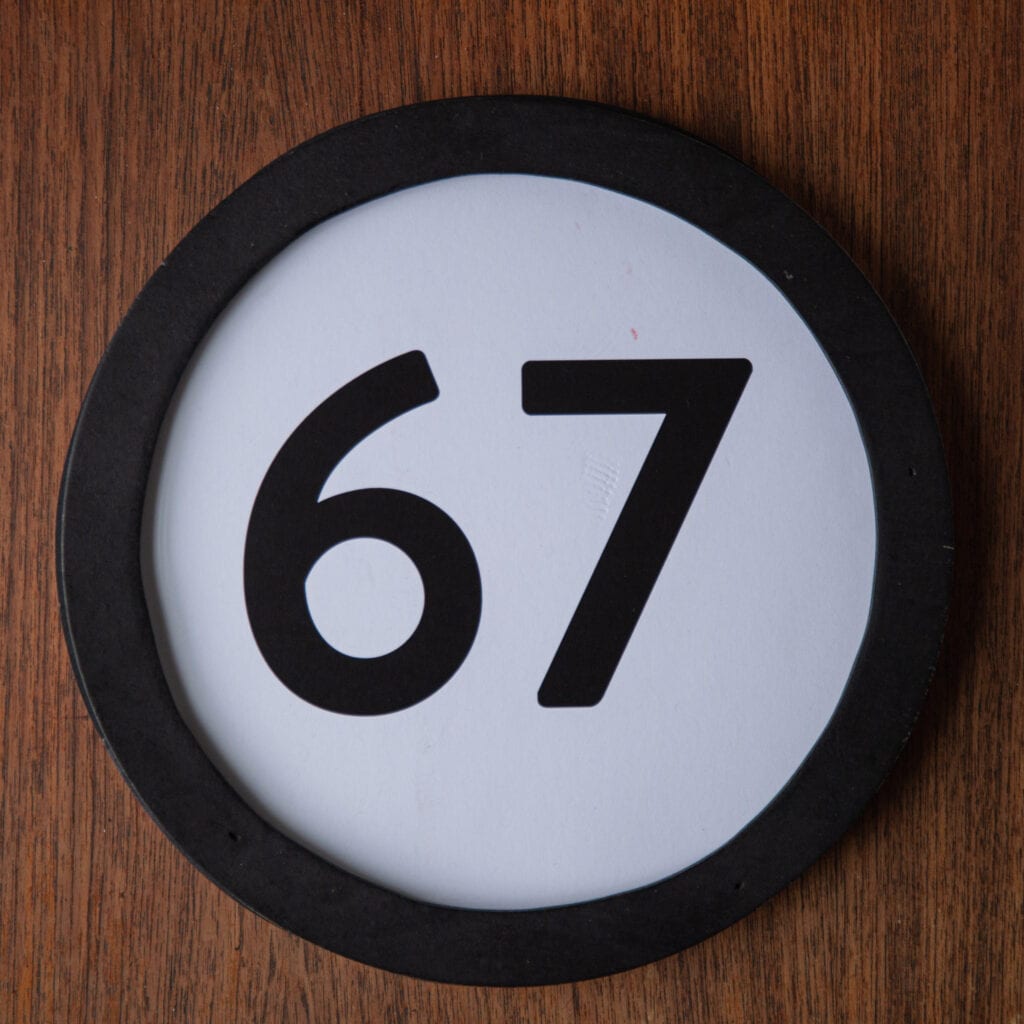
(289,529)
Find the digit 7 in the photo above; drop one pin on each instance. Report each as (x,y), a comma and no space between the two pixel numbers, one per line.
(698,397)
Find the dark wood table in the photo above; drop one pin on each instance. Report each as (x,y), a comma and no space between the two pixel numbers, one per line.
(899,126)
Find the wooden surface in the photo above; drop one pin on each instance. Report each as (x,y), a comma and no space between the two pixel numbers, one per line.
(899,126)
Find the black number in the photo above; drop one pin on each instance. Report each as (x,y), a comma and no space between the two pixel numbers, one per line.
(289,529)
(698,397)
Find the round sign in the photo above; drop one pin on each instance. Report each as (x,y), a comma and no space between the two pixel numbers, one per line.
(505,542)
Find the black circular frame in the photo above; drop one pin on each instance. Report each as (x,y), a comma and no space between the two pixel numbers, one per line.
(107,623)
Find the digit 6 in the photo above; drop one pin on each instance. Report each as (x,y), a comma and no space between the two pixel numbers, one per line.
(289,529)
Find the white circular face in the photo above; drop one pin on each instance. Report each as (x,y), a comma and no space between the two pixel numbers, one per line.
(698,677)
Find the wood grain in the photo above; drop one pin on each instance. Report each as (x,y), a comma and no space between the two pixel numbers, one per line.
(899,126)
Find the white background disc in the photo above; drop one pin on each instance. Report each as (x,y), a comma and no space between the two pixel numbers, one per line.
(478,796)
